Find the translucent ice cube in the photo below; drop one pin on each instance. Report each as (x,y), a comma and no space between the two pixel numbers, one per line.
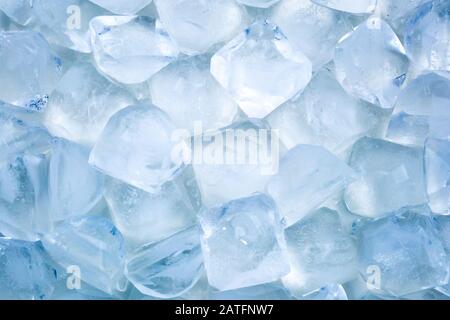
(352,6)
(258,3)
(243,243)
(20,11)
(124,7)
(260,69)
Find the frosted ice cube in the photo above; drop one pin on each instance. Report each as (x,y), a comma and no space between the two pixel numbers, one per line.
(198,25)
(371,63)
(321,28)
(74,186)
(308,176)
(188,93)
(94,245)
(130,49)
(390,177)
(29,70)
(137,147)
(325,115)
(352,6)
(168,268)
(402,254)
(320,252)
(243,243)
(437,172)
(427,39)
(124,7)
(260,69)
(25,271)
(82,104)
(148,217)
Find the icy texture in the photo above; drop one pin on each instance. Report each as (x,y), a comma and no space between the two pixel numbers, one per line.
(25,271)
(406,250)
(258,3)
(325,115)
(390,177)
(94,245)
(28,69)
(397,11)
(320,252)
(125,7)
(188,93)
(198,25)
(371,63)
(145,217)
(168,268)
(252,156)
(82,104)
(260,69)
(267,291)
(20,11)
(427,36)
(329,292)
(74,186)
(130,49)
(352,6)
(66,22)
(321,28)
(140,137)
(299,189)
(243,243)
(437,170)
(408,129)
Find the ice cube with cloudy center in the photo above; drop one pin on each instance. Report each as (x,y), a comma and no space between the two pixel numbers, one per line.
(245,151)
(66,22)
(187,91)
(130,49)
(426,37)
(20,11)
(94,245)
(74,186)
(371,63)
(351,6)
(308,176)
(437,172)
(137,147)
(25,271)
(144,217)
(122,7)
(29,70)
(390,176)
(167,268)
(198,25)
(321,28)
(402,253)
(261,69)
(243,243)
(324,114)
(258,3)
(82,104)
(320,253)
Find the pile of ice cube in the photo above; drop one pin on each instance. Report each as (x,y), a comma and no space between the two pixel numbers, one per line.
(224,149)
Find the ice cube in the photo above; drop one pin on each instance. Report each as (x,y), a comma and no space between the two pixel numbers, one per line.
(437,171)
(20,11)
(328,292)
(307,177)
(260,69)
(321,28)
(325,115)
(168,268)
(93,246)
(408,129)
(352,6)
(188,93)
(130,49)
(402,253)
(258,3)
(243,243)
(29,70)
(266,291)
(82,104)
(25,271)
(320,253)
(390,177)
(137,147)
(198,25)
(74,186)
(371,63)
(123,7)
